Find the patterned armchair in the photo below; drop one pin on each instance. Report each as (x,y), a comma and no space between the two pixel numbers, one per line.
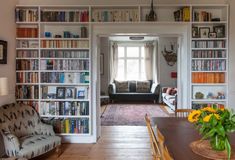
(23,132)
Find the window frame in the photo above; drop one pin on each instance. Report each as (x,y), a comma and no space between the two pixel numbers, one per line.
(139,58)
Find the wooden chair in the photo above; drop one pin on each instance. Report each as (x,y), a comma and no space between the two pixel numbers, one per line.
(153,140)
(182,112)
(159,150)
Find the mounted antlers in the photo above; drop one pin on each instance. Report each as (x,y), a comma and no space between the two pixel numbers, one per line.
(170,56)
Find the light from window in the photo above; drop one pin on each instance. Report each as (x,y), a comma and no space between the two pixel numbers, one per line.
(131,63)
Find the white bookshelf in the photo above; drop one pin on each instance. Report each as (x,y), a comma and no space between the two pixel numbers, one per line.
(209,63)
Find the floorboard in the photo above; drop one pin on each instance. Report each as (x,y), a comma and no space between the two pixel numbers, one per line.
(116,143)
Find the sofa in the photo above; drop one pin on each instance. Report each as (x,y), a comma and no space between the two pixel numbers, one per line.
(133,91)
(24,135)
(169,97)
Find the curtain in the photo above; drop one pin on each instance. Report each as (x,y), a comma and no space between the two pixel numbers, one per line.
(149,60)
(113,61)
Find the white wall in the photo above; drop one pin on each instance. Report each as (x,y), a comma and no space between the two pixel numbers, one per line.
(104,78)
(165,70)
(7,33)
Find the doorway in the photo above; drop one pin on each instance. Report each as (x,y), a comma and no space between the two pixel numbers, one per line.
(153,30)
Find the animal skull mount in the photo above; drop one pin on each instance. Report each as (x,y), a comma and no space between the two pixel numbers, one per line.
(170,56)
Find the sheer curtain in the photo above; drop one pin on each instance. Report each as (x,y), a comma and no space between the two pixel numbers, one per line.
(113,61)
(148,60)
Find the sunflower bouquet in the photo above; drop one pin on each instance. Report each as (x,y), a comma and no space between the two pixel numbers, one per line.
(214,123)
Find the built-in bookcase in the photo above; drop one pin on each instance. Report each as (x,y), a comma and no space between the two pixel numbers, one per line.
(209,56)
(53,66)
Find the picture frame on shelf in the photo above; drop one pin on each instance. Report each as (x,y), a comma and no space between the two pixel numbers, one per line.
(220,31)
(70,92)
(204,32)
(212,35)
(60,92)
(195,33)
(3,52)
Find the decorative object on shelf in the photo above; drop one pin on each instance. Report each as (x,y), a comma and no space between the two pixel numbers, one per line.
(220,31)
(3,52)
(199,95)
(210,95)
(152,16)
(170,56)
(214,122)
(204,32)
(3,86)
(220,95)
(212,35)
(195,32)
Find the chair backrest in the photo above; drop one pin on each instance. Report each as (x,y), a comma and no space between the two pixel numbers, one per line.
(19,119)
(153,140)
(182,112)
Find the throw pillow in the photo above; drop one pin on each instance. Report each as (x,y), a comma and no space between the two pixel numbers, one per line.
(168,90)
(143,86)
(122,86)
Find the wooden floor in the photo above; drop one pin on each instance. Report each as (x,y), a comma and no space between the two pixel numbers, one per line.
(116,143)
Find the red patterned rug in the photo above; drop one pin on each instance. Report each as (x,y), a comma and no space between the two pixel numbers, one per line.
(130,114)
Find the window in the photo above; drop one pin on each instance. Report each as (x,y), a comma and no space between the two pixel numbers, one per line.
(131,62)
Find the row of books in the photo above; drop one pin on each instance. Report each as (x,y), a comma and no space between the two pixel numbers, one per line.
(27,54)
(65,44)
(27,32)
(66,64)
(209,65)
(69,125)
(65,54)
(203,105)
(27,92)
(208,44)
(27,44)
(55,92)
(26,15)
(27,77)
(120,15)
(209,54)
(60,77)
(64,108)
(201,16)
(182,14)
(208,77)
(27,64)
(65,16)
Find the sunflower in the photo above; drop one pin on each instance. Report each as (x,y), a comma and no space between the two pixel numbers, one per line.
(208,117)
(209,109)
(193,117)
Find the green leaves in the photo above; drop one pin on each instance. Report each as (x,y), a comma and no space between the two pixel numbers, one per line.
(228,148)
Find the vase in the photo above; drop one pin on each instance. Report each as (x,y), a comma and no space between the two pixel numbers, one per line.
(217,142)
(152,16)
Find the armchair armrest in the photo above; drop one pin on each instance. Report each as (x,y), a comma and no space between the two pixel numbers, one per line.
(112,88)
(11,142)
(155,88)
(47,129)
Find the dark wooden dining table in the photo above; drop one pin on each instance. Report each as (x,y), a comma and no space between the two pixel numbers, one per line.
(179,133)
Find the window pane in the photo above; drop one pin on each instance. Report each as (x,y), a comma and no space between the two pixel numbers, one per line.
(142,52)
(120,70)
(132,51)
(120,51)
(142,70)
(132,70)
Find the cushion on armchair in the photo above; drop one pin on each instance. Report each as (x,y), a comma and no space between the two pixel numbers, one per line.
(23,132)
